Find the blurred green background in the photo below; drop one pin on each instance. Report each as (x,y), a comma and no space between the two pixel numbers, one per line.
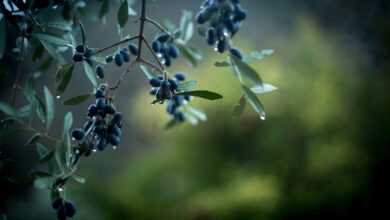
(322,153)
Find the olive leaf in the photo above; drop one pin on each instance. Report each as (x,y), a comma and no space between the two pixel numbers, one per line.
(266,88)
(63,77)
(243,70)
(254,102)
(77,99)
(42,180)
(90,73)
(104,8)
(202,94)
(49,107)
(191,54)
(186,86)
(186,26)
(123,13)
(7,109)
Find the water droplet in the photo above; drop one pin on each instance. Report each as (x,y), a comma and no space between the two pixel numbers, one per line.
(77,151)
(159,55)
(60,189)
(94,150)
(58,97)
(73,139)
(262,117)
(114,147)
(216,49)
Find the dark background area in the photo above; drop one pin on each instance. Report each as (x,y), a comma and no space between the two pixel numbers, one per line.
(322,153)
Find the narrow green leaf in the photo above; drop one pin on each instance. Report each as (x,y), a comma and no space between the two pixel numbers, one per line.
(186,26)
(3,36)
(59,25)
(63,77)
(40,108)
(7,109)
(25,111)
(254,102)
(202,94)
(197,113)
(266,88)
(147,72)
(77,99)
(68,122)
(59,155)
(191,119)
(78,179)
(42,180)
(104,8)
(123,13)
(52,39)
(83,35)
(258,55)
(33,139)
(49,107)
(90,74)
(242,69)
(187,86)
(191,54)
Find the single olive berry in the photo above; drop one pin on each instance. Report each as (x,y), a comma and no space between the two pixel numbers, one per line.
(70,209)
(155,82)
(109,59)
(164,37)
(133,49)
(180,76)
(125,55)
(57,203)
(100,103)
(221,46)
(78,57)
(78,134)
(156,46)
(80,49)
(117,118)
(173,51)
(99,72)
(118,59)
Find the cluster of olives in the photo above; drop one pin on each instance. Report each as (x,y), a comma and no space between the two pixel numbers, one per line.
(64,208)
(103,127)
(165,89)
(165,48)
(82,53)
(224,18)
(123,55)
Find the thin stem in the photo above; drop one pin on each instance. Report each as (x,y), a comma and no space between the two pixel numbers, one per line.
(158,25)
(116,44)
(141,28)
